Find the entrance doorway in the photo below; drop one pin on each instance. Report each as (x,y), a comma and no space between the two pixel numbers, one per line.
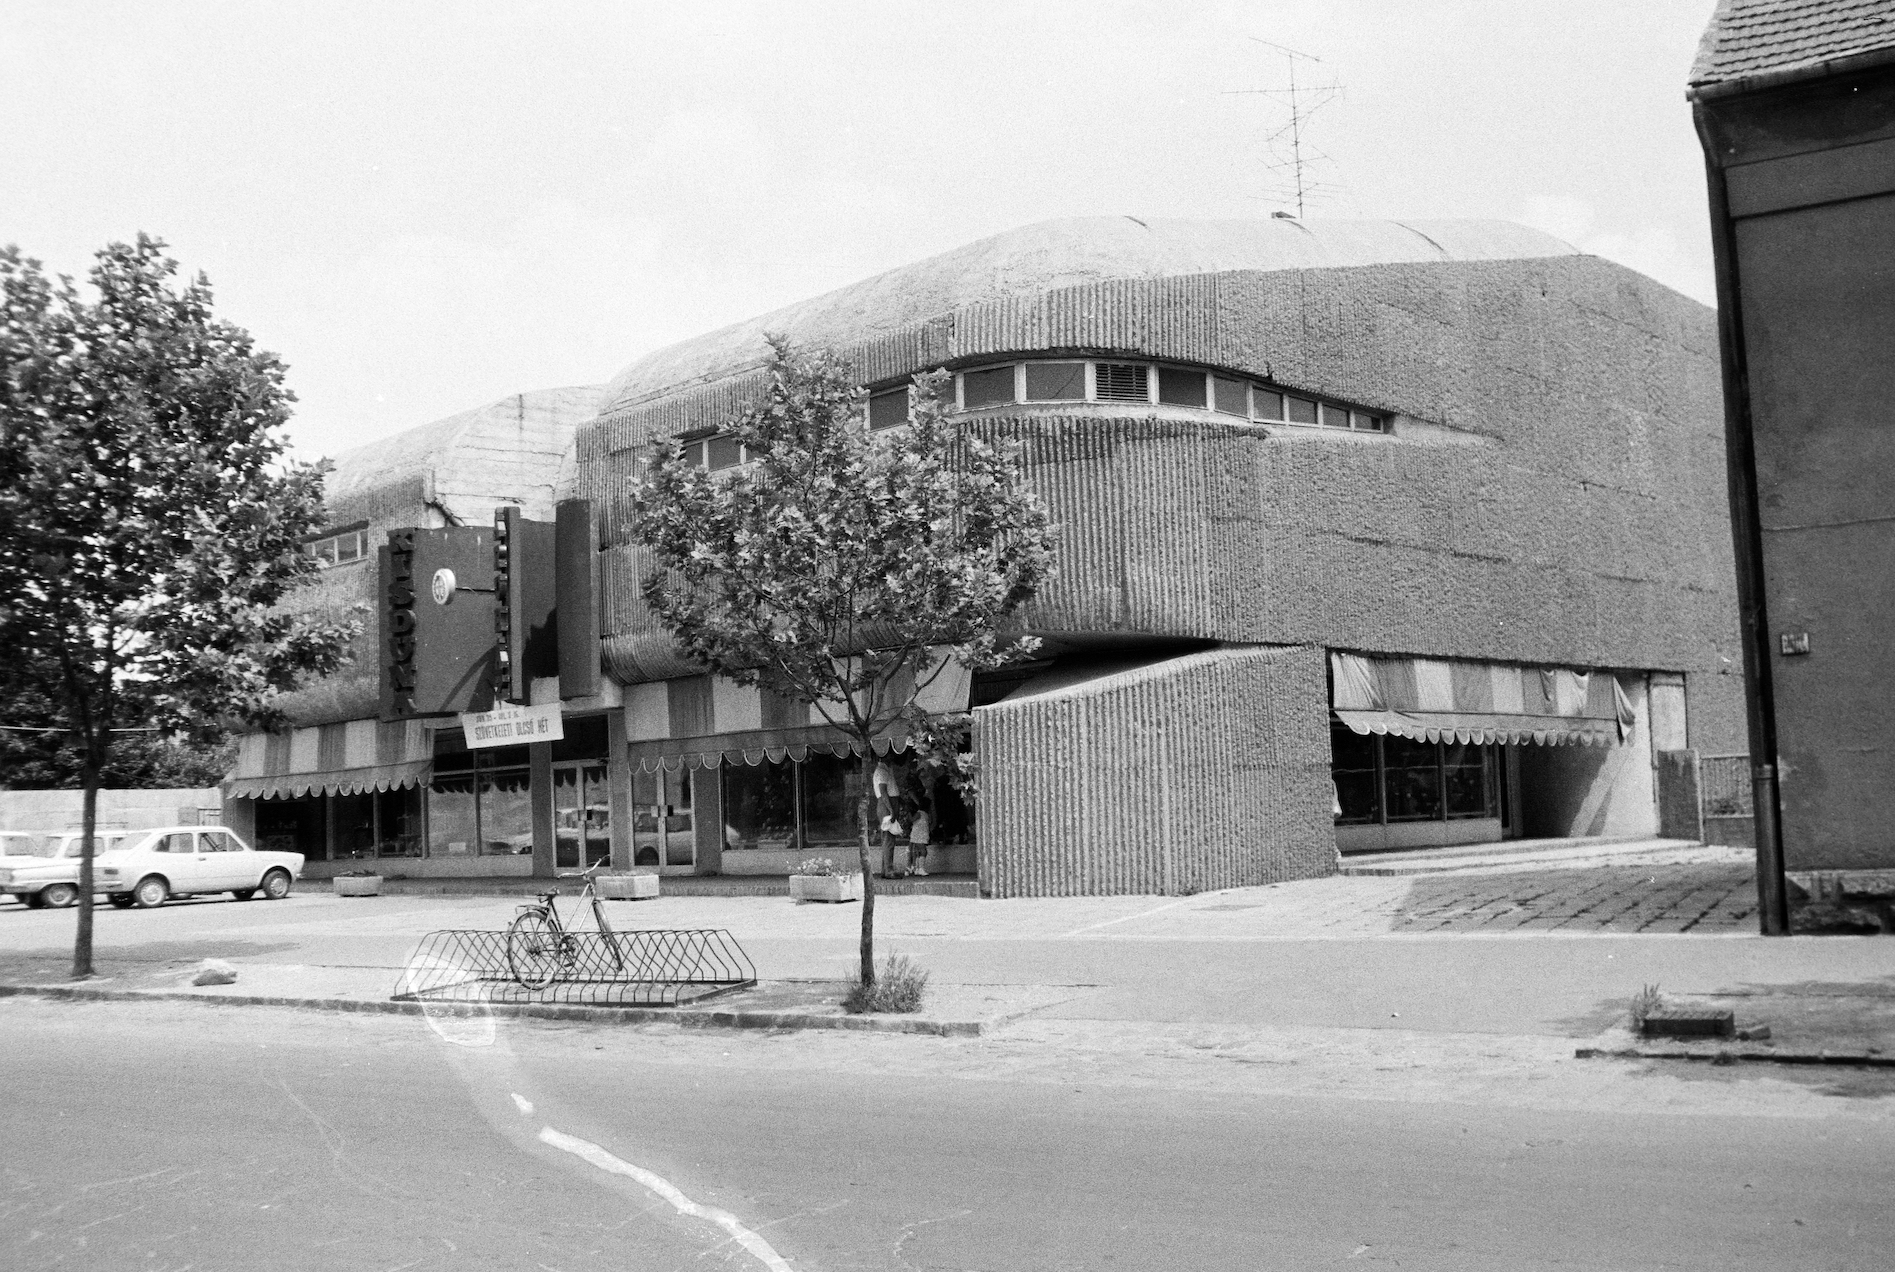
(582,816)
(664,830)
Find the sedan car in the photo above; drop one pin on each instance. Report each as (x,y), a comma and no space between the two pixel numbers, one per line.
(179,861)
(49,873)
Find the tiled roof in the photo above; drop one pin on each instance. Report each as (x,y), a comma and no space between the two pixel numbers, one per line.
(1748,38)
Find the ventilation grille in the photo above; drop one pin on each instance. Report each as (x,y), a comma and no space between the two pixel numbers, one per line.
(1124,382)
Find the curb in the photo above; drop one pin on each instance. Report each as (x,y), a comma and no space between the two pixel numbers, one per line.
(532,1011)
(1729,1055)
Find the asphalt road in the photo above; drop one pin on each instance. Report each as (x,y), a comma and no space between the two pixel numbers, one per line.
(162,1138)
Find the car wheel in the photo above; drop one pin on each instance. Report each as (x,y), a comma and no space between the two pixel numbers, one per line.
(123,900)
(33,900)
(58,895)
(276,885)
(151,891)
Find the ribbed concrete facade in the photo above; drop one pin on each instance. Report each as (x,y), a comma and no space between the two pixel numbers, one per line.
(1201,772)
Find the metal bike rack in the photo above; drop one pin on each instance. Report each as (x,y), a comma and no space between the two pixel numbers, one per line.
(660,967)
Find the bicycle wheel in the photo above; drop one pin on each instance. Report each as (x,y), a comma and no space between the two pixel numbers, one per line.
(533,949)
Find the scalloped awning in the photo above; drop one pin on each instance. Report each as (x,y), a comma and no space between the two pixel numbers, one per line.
(350,758)
(1457,700)
(756,747)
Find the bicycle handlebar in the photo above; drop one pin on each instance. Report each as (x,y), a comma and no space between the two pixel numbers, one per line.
(582,874)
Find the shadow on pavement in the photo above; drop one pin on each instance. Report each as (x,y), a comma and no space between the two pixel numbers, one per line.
(54,963)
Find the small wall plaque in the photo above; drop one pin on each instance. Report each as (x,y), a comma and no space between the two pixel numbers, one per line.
(1793,643)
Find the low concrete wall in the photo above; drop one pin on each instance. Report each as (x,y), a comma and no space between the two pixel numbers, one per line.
(117,810)
(1418,834)
(1201,772)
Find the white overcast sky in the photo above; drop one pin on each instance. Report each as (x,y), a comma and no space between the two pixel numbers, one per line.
(423,207)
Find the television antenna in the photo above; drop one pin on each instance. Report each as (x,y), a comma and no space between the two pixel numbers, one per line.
(1292,156)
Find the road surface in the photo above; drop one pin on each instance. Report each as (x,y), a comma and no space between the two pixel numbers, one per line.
(166,1137)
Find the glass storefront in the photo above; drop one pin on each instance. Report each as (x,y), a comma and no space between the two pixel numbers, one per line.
(582,816)
(1380,779)
(814,804)
(479,802)
(343,827)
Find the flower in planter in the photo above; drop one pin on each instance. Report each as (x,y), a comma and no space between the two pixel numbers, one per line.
(358,874)
(820,866)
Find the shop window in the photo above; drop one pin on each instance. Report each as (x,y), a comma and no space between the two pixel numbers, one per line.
(293,825)
(398,822)
(1411,779)
(760,805)
(990,387)
(1466,779)
(1232,397)
(1396,779)
(1055,381)
(1355,768)
(1179,387)
(1124,382)
(478,803)
(832,795)
(886,410)
(354,824)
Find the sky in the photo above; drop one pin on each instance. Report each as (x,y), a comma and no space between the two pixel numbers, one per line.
(424,207)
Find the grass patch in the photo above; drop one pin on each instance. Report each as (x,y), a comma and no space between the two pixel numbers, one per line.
(1644,1003)
(898,987)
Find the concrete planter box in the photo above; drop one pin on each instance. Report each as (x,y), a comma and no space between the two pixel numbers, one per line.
(357,885)
(628,887)
(826,887)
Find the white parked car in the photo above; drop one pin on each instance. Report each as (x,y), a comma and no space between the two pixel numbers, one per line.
(181,861)
(44,869)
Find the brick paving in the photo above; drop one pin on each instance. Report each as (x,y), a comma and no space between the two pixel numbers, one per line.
(1703,898)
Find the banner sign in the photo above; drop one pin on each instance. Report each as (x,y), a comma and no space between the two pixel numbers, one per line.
(512,725)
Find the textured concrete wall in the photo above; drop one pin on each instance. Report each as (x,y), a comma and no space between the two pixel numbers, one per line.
(1552,490)
(118,809)
(1206,771)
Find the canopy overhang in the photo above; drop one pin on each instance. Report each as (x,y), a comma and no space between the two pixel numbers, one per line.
(1459,700)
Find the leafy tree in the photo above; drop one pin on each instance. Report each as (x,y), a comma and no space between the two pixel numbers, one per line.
(148,522)
(831,566)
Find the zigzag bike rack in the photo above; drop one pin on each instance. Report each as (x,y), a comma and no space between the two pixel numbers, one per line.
(656,967)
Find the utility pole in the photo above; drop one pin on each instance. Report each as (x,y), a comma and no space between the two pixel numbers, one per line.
(1292,156)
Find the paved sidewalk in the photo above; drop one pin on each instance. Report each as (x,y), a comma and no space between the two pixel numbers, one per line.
(1553,952)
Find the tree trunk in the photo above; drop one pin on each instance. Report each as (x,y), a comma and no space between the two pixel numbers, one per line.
(867,807)
(82,943)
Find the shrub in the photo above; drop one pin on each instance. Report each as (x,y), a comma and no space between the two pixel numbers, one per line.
(819,866)
(1644,1003)
(898,987)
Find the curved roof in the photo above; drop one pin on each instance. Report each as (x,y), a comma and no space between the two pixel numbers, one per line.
(513,450)
(1051,255)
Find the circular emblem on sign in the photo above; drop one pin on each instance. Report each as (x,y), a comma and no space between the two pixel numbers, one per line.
(443,586)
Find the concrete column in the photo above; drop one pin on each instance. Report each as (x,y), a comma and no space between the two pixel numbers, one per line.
(707,818)
(618,785)
(539,757)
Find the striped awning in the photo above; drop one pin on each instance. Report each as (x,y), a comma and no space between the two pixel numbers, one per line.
(1458,700)
(756,747)
(349,758)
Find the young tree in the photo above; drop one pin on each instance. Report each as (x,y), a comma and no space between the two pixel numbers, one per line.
(148,523)
(835,565)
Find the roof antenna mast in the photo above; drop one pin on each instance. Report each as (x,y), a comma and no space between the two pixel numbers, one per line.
(1292,157)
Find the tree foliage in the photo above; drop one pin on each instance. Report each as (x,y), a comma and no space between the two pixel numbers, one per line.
(148,521)
(838,565)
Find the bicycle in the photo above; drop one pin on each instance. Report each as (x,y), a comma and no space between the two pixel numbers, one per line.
(540,947)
